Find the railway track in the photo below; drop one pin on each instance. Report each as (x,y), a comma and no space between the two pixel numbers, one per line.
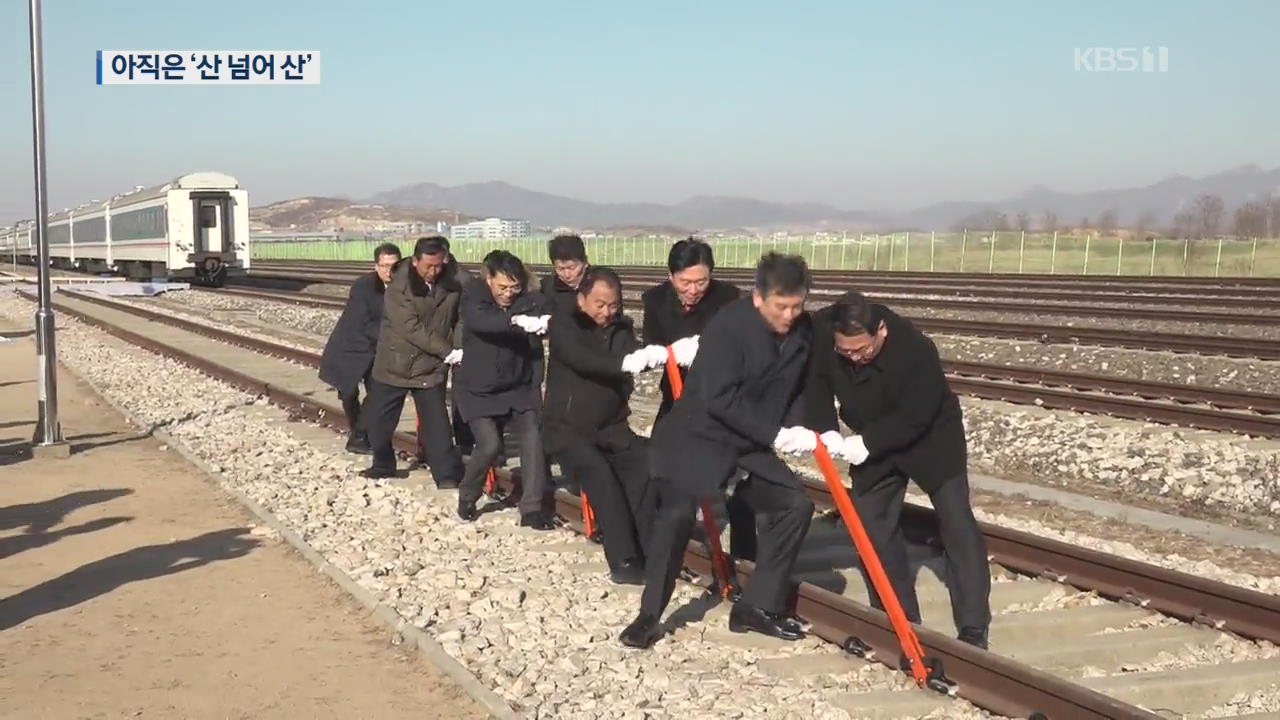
(1238,347)
(1167,403)
(1161,291)
(1047,661)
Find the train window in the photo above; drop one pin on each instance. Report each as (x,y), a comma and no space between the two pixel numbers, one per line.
(208,216)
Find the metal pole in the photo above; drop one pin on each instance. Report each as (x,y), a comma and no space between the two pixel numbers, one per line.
(1186,251)
(1053,255)
(906,253)
(859,263)
(1119,254)
(933,236)
(1217,264)
(964,240)
(991,259)
(1022,250)
(844,245)
(893,245)
(1152,271)
(1253,256)
(48,431)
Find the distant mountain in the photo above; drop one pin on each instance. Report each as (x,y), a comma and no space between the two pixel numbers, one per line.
(1162,199)
(326,214)
(547,210)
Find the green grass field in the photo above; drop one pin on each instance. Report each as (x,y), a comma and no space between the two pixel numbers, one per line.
(917,252)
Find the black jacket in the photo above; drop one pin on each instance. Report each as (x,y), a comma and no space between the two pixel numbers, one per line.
(563,298)
(666,320)
(900,403)
(739,392)
(348,354)
(500,368)
(587,391)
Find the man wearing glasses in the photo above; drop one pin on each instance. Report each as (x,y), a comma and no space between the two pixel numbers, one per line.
(907,423)
(348,354)
(498,381)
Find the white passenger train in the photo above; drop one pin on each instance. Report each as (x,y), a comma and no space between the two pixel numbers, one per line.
(194,228)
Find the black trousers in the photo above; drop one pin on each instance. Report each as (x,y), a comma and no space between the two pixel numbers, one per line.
(782,513)
(617,484)
(435,439)
(879,505)
(351,407)
(488,432)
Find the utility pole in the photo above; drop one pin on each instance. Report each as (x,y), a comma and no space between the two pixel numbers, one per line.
(48,431)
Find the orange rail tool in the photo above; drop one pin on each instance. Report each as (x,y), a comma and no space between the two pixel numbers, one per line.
(490,482)
(588,516)
(719,561)
(867,554)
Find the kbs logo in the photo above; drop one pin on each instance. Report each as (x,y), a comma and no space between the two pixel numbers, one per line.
(1122,59)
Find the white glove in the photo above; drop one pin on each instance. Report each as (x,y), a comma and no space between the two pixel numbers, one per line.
(795,440)
(685,349)
(543,322)
(635,362)
(527,323)
(655,356)
(854,450)
(832,441)
(454,357)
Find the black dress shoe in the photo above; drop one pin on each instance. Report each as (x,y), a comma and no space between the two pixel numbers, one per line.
(642,633)
(467,511)
(630,572)
(748,618)
(537,521)
(377,473)
(973,636)
(359,444)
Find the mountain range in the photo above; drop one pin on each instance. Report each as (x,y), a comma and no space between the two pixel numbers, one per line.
(1161,200)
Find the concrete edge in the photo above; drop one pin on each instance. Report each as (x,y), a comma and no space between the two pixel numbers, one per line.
(431,650)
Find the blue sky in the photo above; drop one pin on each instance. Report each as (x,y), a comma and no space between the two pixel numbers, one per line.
(865,105)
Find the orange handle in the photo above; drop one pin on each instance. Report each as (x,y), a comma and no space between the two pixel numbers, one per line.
(588,516)
(867,554)
(490,481)
(719,561)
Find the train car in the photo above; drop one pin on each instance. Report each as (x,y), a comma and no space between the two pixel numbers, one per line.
(195,228)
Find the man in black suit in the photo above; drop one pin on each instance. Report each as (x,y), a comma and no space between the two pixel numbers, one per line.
(675,313)
(348,354)
(738,397)
(893,394)
(569,264)
(594,351)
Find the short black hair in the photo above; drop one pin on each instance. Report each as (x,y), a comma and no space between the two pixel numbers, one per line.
(778,274)
(854,314)
(501,262)
(567,247)
(386,249)
(600,274)
(434,245)
(688,253)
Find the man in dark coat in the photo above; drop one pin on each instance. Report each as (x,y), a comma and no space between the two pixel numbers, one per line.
(418,341)
(586,414)
(677,310)
(893,394)
(681,306)
(495,385)
(569,263)
(740,392)
(348,355)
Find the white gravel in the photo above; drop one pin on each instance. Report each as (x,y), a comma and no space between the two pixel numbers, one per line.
(1270,331)
(1259,376)
(1245,704)
(1083,452)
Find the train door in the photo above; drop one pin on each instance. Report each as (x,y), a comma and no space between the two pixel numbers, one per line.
(211,215)
(212,222)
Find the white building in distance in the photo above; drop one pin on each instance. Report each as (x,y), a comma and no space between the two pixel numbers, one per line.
(492,228)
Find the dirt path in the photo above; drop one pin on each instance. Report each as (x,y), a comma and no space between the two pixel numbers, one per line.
(130,587)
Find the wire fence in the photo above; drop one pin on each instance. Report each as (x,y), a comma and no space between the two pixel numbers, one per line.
(965,251)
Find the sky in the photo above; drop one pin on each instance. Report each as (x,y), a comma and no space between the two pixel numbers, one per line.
(864,105)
